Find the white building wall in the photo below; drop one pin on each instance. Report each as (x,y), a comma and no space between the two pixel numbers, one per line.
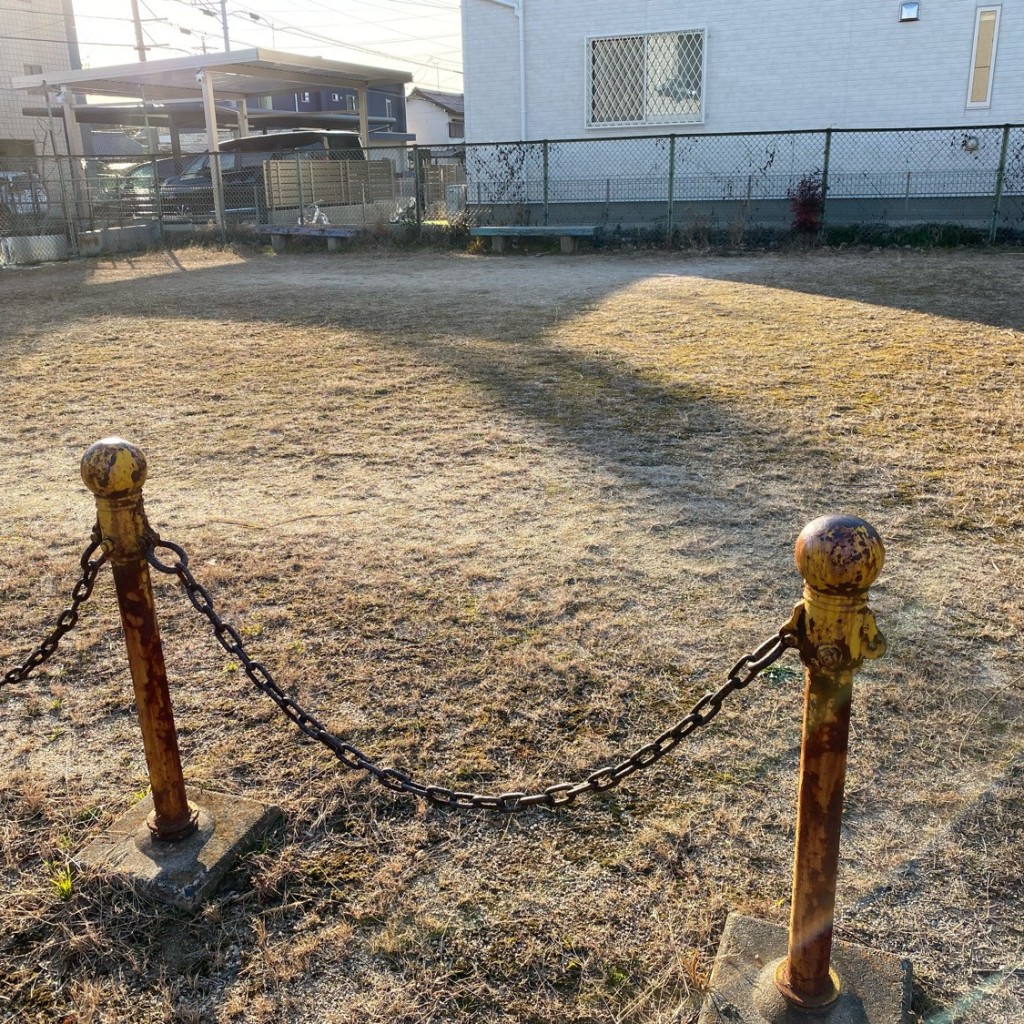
(492,65)
(774,65)
(42,31)
(428,122)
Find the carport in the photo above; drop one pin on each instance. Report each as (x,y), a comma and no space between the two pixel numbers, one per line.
(237,77)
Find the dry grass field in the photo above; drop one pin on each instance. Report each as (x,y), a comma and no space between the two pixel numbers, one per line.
(498,521)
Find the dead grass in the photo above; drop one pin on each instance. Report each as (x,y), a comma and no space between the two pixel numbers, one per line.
(498,520)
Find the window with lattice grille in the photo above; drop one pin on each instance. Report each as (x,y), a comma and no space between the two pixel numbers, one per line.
(647,79)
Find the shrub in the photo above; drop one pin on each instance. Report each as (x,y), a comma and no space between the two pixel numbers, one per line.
(807,201)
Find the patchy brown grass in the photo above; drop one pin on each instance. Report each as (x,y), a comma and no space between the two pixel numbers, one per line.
(498,520)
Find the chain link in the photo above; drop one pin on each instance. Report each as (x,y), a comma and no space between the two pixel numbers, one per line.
(68,618)
(560,795)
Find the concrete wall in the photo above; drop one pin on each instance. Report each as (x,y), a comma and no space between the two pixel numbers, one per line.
(774,65)
(36,23)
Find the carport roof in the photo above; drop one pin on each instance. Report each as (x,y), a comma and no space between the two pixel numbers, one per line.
(236,75)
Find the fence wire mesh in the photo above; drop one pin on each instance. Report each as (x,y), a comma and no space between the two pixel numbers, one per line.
(681,187)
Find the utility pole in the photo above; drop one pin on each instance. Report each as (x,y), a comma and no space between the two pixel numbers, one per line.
(140,44)
(152,134)
(224,22)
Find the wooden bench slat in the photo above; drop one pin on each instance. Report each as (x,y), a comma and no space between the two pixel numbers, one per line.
(550,230)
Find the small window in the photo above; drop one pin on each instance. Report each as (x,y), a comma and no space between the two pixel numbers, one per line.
(335,97)
(350,102)
(456,129)
(304,97)
(389,108)
(983,62)
(910,12)
(33,69)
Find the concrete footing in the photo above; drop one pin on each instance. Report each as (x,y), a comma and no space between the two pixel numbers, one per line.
(874,986)
(186,872)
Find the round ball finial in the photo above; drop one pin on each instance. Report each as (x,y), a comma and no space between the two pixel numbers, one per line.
(113,468)
(839,555)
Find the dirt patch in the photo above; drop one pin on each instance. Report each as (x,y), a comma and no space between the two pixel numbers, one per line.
(499,520)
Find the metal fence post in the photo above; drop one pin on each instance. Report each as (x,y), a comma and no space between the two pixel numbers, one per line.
(115,472)
(417,174)
(544,152)
(824,181)
(217,180)
(298,186)
(670,213)
(1000,178)
(158,203)
(839,558)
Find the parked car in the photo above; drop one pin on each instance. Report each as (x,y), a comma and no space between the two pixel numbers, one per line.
(138,189)
(22,196)
(189,196)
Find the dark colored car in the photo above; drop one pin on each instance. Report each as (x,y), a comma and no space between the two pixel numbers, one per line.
(189,196)
(138,190)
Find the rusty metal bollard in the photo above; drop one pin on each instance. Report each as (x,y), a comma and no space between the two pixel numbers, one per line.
(839,558)
(115,471)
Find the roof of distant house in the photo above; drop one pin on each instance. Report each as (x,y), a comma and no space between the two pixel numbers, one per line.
(453,102)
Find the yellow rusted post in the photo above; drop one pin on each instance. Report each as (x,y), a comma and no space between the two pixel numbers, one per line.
(839,558)
(115,472)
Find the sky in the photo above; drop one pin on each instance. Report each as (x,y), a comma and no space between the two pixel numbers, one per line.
(419,36)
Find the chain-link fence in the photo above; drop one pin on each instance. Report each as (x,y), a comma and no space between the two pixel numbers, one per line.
(679,188)
(704,187)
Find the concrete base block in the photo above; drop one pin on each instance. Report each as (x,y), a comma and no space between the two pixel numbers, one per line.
(186,872)
(874,986)
(26,249)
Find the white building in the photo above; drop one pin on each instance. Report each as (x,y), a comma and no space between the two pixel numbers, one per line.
(558,69)
(435,118)
(36,37)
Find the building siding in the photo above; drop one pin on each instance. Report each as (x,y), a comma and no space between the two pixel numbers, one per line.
(777,65)
(30,34)
(428,122)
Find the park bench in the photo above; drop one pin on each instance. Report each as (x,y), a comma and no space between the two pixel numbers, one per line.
(281,233)
(565,233)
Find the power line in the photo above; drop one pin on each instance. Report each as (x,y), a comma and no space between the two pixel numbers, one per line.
(289,29)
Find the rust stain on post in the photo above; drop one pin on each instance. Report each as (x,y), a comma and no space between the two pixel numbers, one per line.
(115,472)
(839,558)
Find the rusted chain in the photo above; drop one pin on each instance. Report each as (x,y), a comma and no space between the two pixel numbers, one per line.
(68,618)
(742,674)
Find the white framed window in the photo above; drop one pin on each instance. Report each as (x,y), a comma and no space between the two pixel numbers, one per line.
(350,102)
(983,57)
(657,78)
(389,108)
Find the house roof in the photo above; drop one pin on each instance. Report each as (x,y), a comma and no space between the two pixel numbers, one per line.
(453,102)
(237,75)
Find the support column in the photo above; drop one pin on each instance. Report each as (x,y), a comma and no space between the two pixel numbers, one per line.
(76,154)
(364,118)
(213,146)
(243,118)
